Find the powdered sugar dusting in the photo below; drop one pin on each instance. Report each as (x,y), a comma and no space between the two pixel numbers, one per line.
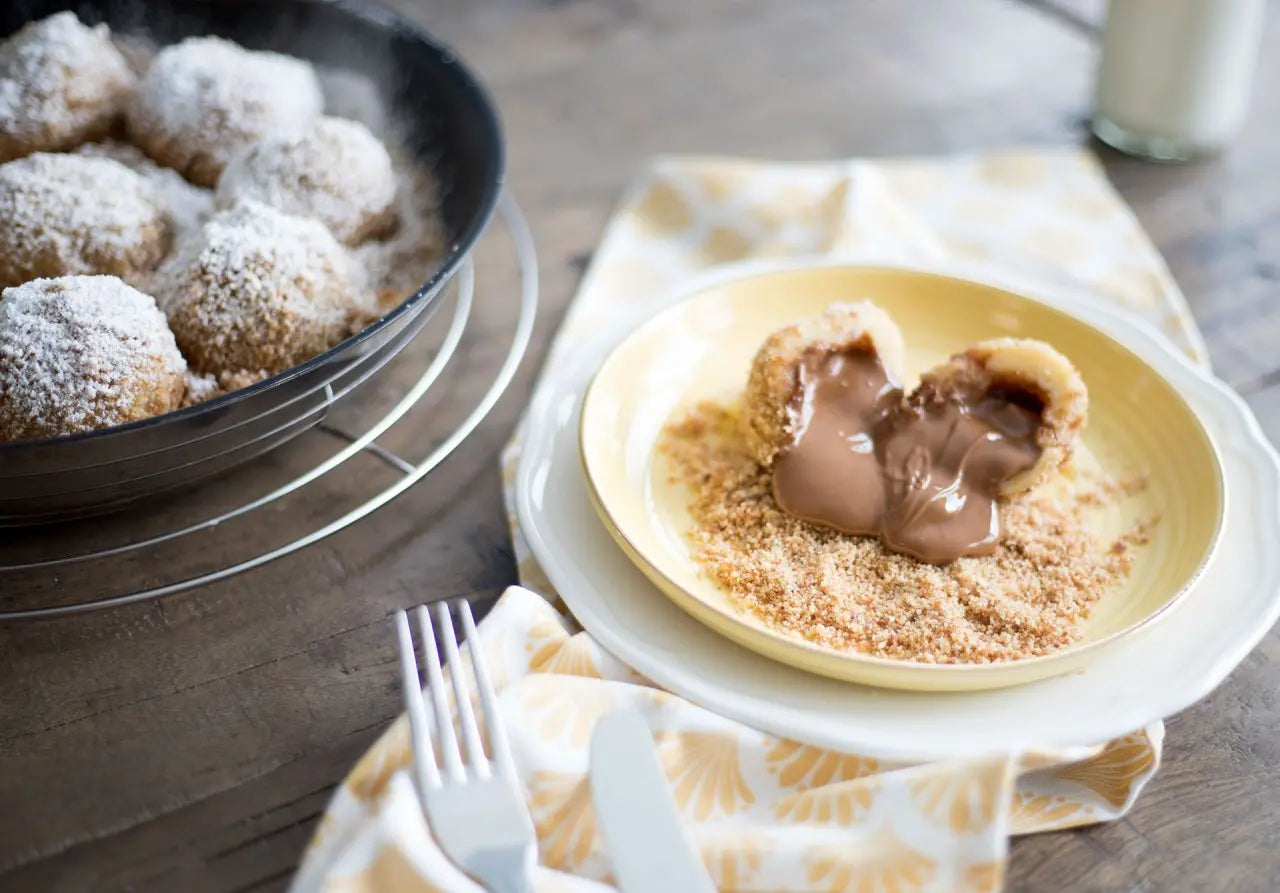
(205,99)
(397,266)
(82,352)
(60,83)
(260,289)
(75,214)
(355,96)
(207,387)
(336,171)
(201,388)
(187,205)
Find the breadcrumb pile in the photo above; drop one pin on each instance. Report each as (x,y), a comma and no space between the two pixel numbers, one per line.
(1031,597)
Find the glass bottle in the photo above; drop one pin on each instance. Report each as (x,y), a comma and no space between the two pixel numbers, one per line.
(1175,75)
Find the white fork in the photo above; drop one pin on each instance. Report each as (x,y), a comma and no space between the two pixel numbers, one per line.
(475,809)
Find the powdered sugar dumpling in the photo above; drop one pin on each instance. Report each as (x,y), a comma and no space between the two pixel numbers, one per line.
(75,214)
(83,352)
(187,205)
(336,171)
(61,83)
(205,99)
(260,290)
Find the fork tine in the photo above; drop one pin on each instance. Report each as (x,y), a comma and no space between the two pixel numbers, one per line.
(466,715)
(498,745)
(439,700)
(426,772)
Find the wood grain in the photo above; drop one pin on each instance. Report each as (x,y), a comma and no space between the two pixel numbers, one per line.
(191,744)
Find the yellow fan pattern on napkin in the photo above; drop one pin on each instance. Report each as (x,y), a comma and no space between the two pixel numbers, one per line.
(764,813)
(768,814)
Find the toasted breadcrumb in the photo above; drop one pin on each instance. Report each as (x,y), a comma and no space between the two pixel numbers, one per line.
(1031,597)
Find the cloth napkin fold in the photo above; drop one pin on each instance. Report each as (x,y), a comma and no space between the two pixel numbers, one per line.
(768,813)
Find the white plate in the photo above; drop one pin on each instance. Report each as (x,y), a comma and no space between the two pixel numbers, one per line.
(1166,669)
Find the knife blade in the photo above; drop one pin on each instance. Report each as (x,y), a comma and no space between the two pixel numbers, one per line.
(635,811)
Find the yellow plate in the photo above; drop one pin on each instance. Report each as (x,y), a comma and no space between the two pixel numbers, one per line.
(701,348)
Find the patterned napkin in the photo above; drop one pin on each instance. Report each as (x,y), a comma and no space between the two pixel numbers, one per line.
(768,813)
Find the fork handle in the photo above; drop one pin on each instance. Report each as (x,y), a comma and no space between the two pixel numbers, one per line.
(500,873)
(515,884)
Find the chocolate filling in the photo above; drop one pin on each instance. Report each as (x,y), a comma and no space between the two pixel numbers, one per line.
(922,472)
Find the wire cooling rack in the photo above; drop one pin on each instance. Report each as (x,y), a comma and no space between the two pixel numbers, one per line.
(409,472)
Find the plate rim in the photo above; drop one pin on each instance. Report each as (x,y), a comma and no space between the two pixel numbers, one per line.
(930,676)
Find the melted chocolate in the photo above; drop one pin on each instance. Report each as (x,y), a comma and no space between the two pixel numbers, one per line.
(831,474)
(922,472)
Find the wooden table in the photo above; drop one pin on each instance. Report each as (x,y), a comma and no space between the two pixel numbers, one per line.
(192,744)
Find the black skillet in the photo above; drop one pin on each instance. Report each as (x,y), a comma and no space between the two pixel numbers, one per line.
(446,120)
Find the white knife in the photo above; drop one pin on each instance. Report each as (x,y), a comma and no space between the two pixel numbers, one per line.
(636,813)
